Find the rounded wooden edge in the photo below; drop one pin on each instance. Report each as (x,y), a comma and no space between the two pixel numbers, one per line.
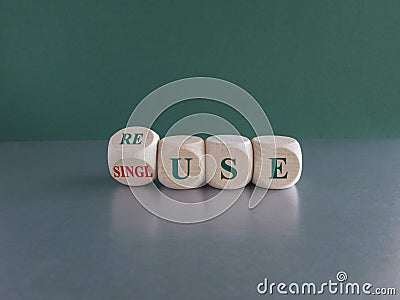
(181,139)
(228,139)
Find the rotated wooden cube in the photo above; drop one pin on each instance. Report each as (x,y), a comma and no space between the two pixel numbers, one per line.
(132,155)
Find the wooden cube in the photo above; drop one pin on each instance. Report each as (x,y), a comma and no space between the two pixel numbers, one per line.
(132,155)
(181,163)
(277,161)
(229,161)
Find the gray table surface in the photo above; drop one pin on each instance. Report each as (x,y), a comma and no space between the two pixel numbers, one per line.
(69,231)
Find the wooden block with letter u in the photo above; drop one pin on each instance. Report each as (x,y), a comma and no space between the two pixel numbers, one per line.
(132,155)
(277,161)
(181,163)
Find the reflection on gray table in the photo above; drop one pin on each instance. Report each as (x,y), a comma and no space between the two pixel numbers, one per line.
(68,231)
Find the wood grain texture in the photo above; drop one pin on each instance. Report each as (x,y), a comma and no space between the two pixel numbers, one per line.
(181,163)
(229,161)
(277,161)
(132,155)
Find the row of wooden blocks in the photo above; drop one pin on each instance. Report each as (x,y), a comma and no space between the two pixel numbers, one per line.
(137,156)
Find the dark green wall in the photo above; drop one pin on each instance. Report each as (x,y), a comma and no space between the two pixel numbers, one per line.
(76,69)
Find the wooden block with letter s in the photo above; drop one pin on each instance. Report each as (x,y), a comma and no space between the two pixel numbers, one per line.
(132,155)
(229,161)
(277,161)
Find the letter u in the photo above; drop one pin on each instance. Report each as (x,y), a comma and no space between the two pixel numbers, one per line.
(175,167)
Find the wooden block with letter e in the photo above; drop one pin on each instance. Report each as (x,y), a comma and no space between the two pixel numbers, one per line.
(132,155)
(277,161)
(181,163)
(229,161)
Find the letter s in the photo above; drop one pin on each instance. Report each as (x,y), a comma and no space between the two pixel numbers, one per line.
(228,168)
(116,172)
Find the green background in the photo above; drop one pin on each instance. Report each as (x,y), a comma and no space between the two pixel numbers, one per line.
(76,69)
